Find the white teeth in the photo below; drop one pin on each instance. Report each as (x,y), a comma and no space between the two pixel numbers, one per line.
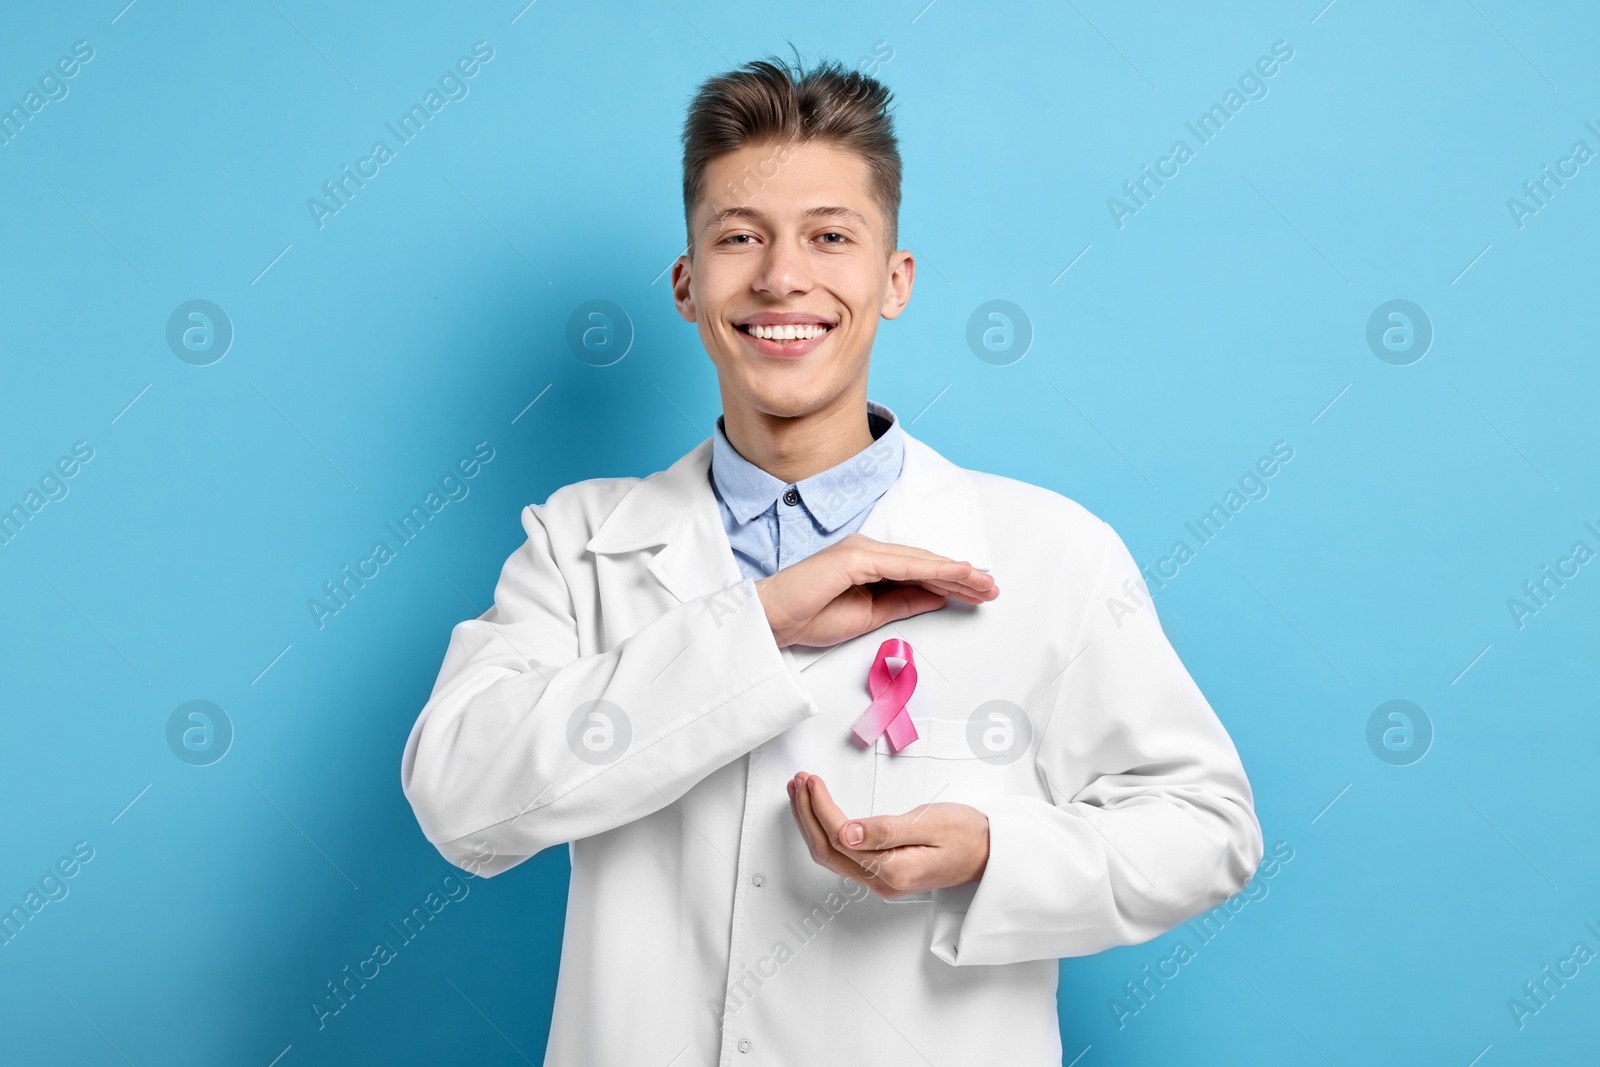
(788,333)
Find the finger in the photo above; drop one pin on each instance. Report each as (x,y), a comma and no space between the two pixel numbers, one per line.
(817,839)
(902,602)
(955,589)
(802,821)
(892,557)
(811,830)
(833,821)
(890,872)
(817,805)
(903,563)
(956,574)
(877,832)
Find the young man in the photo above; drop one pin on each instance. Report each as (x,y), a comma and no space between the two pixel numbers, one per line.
(674,676)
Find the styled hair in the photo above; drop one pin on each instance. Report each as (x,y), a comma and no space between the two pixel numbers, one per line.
(773,101)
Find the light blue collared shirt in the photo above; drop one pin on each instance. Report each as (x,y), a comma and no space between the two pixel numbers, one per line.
(772,525)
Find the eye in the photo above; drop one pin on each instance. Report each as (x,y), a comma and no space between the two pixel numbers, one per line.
(737,236)
(841,237)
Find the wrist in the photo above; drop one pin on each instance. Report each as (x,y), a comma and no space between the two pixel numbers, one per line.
(777,632)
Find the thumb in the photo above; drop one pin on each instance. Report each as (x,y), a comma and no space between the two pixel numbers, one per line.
(879,832)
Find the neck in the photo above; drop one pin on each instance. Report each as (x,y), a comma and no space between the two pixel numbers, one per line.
(794,447)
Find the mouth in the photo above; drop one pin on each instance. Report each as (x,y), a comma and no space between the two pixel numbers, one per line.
(786,334)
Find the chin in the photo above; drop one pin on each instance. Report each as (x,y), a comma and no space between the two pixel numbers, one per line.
(788,399)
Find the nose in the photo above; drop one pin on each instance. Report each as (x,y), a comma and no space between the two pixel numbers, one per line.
(784,269)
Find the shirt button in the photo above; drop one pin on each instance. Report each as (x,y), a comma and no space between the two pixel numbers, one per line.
(759,880)
(744,1045)
(791,497)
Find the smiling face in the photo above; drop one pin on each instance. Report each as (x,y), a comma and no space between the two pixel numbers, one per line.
(788,274)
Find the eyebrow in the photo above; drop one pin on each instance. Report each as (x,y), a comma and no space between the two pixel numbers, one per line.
(809,213)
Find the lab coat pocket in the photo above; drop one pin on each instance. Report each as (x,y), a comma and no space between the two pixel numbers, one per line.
(940,766)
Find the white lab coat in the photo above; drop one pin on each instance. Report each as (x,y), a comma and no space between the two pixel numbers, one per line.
(698,929)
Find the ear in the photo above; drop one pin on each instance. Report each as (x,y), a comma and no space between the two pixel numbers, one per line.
(902,273)
(681,298)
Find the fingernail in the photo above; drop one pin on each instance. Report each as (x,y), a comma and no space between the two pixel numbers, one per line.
(853,833)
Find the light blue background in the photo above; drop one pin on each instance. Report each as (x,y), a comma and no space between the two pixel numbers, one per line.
(370,354)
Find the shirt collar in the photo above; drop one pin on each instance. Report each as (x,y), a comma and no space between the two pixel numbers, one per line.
(833,497)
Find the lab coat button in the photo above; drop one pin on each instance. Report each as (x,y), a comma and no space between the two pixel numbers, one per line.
(759,880)
(791,497)
(744,1045)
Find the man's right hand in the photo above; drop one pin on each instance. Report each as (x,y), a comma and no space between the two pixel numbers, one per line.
(857,584)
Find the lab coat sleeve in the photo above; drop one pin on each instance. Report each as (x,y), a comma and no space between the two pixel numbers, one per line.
(1150,818)
(494,766)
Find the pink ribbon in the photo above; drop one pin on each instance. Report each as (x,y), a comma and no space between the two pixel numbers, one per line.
(887,713)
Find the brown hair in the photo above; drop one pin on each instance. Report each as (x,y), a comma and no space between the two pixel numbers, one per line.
(771,100)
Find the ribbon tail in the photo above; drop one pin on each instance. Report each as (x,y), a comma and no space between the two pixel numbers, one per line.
(902,731)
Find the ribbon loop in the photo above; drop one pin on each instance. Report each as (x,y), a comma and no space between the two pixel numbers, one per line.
(887,714)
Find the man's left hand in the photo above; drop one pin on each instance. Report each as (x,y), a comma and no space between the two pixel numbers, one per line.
(933,846)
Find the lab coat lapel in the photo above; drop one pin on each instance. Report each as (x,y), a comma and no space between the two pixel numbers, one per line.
(929,506)
(676,509)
